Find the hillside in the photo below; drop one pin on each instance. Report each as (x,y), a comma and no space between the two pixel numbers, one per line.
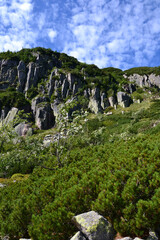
(75,138)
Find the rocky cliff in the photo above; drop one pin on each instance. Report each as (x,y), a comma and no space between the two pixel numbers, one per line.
(45,80)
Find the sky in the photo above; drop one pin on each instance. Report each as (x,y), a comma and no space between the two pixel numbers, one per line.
(107,33)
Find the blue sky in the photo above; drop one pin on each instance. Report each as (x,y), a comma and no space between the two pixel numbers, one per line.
(117,33)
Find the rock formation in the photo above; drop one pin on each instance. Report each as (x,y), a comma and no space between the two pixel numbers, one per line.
(48,84)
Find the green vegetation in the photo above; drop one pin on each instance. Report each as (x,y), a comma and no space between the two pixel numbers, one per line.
(27,55)
(106,163)
(12,98)
(143,70)
(110,164)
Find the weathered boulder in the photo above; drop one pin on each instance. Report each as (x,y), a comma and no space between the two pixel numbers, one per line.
(94,226)
(95,101)
(44,117)
(23,129)
(10,116)
(152,236)
(78,236)
(123,99)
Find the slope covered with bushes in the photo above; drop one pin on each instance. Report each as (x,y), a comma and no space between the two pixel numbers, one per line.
(111,165)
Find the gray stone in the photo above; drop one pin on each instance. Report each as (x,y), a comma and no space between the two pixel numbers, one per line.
(94,226)
(152,236)
(78,236)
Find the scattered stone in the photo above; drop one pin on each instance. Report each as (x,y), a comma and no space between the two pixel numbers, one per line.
(152,236)
(109,113)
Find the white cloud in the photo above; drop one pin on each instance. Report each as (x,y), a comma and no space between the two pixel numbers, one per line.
(16,17)
(52,34)
(108,33)
(128,31)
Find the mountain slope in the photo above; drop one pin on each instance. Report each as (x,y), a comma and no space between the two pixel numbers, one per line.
(108,161)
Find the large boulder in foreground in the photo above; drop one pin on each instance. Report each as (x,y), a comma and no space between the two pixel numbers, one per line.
(94,226)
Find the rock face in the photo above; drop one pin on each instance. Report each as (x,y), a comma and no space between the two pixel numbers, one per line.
(21,68)
(8,72)
(45,75)
(123,99)
(94,226)
(95,101)
(145,80)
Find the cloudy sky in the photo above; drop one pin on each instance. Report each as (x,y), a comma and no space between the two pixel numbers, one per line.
(118,33)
